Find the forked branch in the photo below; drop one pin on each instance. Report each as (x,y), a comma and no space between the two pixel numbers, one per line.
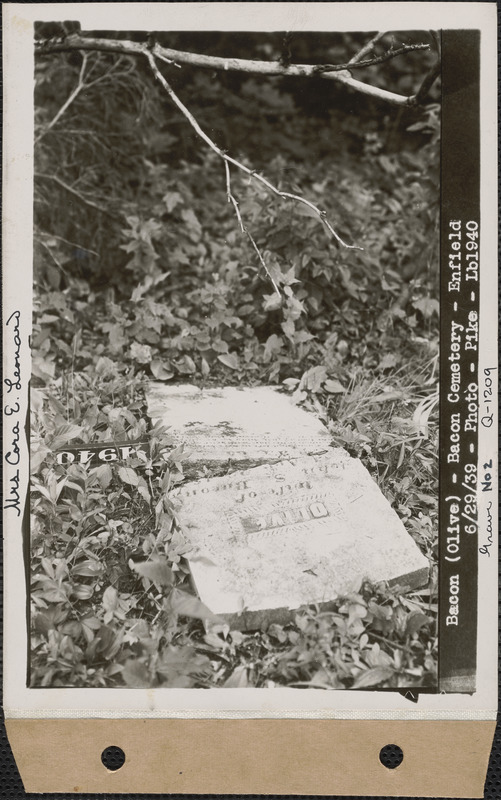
(322,216)
(338,72)
(74,94)
(153,51)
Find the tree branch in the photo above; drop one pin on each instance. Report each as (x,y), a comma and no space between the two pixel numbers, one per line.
(432,75)
(229,160)
(270,68)
(40,234)
(76,193)
(427,83)
(365,49)
(406,48)
(233,201)
(76,91)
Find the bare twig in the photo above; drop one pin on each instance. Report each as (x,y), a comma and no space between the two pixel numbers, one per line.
(177,57)
(62,239)
(431,76)
(76,193)
(55,260)
(82,85)
(427,83)
(227,159)
(406,48)
(76,91)
(390,643)
(365,49)
(233,201)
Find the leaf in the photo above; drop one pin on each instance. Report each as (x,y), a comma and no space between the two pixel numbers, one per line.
(110,599)
(423,412)
(156,570)
(356,612)
(141,289)
(389,361)
(288,277)
(289,329)
(238,679)
(104,474)
(171,200)
(214,641)
(187,605)
(191,220)
(140,352)
(135,674)
(229,360)
(88,569)
(186,365)
(57,406)
(427,306)
(272,302)
(415,621)
(300,337)
(306,211)
(49,619)
(83,592)
(372,677)
(160,371)
(272,346)
(38,456)
(334,387)
(107,642)
(63,434)
(377,657)
(314,378)
(91,622)
(143,491)
(128,475)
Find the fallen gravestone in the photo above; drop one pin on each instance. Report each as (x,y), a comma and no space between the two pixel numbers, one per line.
(279,536)
(244,426)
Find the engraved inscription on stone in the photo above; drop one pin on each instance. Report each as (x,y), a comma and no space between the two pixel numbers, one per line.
(273,538)
(250,425)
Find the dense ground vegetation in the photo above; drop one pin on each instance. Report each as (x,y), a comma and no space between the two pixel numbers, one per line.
(142,271)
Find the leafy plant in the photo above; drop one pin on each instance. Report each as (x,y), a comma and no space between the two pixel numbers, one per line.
(146,274)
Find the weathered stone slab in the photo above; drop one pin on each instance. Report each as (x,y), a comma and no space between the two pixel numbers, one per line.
(247,426)
(273,538)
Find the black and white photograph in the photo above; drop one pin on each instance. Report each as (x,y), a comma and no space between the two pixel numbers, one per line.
(249,363)
(234,403)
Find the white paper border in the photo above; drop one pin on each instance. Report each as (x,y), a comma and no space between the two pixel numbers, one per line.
(17,253)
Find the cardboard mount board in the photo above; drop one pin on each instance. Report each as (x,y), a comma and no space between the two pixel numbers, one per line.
(284,740)
(324,757)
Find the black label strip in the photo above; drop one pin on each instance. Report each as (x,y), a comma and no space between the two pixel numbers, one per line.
(459,403)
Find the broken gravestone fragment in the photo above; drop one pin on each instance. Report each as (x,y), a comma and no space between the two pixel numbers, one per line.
(244,426)
(270,539)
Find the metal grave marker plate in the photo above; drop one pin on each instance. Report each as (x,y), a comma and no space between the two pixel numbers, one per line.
(246,426)
(275,537)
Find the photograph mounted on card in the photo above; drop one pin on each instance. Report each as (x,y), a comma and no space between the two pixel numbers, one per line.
(249,403)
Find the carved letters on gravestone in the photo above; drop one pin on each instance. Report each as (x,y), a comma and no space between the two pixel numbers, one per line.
(273,538)
(247,426)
